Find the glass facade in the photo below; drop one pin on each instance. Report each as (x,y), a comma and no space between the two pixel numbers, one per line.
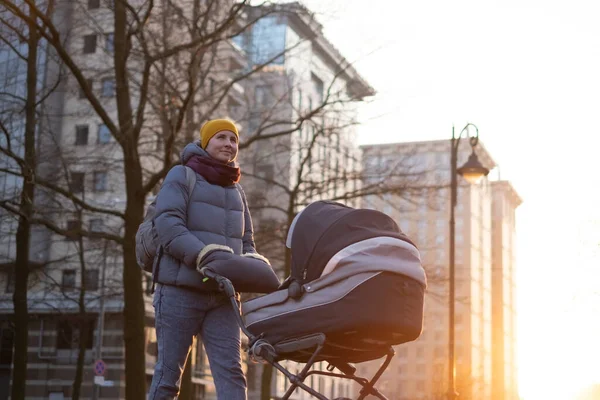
(13,85)
(267,40)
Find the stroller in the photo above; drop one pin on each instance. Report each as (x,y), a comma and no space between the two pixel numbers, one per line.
(356,289)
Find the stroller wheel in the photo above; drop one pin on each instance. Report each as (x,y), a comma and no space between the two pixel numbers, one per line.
(261,351)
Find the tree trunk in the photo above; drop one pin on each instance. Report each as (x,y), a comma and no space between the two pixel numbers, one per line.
(135,356)
(134,310)
(265,382)
(83,326)
(24,228)
(82,323)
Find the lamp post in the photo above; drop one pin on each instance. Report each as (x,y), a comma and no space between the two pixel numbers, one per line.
(472,171)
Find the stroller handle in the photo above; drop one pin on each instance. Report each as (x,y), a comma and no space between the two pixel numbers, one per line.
(226,286)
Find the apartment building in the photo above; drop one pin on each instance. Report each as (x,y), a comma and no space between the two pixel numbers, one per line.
(306,86)
(484,322)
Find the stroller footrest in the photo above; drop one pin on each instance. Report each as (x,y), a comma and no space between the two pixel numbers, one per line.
(301,343)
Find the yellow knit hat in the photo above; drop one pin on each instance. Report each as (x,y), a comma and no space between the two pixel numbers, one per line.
(214,126)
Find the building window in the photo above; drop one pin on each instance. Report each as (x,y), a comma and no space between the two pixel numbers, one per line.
(299,101)
(89,44)
(77,182)
(73,229)
(96,225)
(110,43)
(82,94)
(68,279)
(90,279)
(81,135)
(211,86)
(100,181)
(103,134)
(93,4)
(254,122)
(68,334)
(318,87)
(440,239)
(261,95)
(10,282)
(108,87)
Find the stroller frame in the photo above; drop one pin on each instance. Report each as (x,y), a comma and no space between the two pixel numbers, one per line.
(261,350)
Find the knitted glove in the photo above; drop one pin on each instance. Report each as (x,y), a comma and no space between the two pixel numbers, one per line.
(211,253)
(257,256)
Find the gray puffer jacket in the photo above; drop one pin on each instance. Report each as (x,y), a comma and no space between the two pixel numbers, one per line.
(214,215)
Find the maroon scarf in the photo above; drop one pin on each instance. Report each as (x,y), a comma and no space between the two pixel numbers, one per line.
(214,171)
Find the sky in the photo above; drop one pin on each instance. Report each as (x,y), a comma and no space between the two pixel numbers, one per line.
(527,73)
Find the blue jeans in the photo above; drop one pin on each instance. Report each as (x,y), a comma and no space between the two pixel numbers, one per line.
(182,314)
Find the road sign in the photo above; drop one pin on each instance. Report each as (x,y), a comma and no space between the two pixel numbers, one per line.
(99,368)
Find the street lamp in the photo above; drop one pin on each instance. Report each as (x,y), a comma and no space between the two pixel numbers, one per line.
(472,171)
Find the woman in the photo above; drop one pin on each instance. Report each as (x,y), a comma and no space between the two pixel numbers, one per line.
(214,217)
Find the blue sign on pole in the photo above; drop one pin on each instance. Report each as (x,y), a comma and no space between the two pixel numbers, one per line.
(99,368)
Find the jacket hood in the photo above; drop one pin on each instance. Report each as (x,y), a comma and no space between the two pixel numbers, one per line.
(194,149)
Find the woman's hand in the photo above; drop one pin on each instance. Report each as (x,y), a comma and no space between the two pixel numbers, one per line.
(211,253)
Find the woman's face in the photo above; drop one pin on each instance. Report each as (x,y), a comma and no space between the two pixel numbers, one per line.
(223,146)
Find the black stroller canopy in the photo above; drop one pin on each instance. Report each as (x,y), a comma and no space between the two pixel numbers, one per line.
(324,228)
